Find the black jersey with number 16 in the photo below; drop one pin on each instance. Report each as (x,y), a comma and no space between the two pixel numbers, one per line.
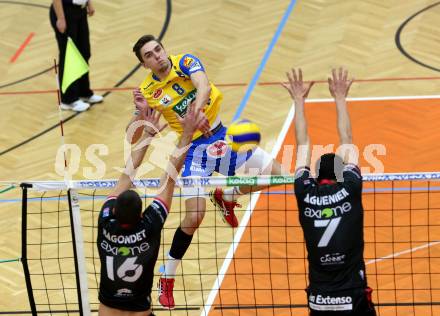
(331,216)
(128,256)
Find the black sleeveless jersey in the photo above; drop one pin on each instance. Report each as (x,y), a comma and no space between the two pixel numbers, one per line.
(331,216)
(128,256)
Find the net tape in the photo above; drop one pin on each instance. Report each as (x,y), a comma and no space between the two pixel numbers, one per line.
(220,181)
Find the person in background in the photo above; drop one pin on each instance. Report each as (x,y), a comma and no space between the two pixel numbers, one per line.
(69,19)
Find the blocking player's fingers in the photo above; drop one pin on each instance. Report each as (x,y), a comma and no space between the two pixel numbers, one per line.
(330,83)
(295,78)
(208,134)
(198,119)
(200,116)
(157,115)
(192,108)
(345,75)
(289,77)
(137,93)
(331,86)
(203,125)
(206,130)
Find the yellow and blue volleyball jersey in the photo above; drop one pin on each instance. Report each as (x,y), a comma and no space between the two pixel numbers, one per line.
(173,94)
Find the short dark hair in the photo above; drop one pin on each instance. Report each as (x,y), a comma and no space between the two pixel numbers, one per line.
(329,166)
(141,42)
(128,208)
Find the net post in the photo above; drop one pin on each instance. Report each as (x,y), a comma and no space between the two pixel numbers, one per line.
(27,276)
(78,253)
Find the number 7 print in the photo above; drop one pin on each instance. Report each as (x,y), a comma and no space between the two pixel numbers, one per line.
(331,225)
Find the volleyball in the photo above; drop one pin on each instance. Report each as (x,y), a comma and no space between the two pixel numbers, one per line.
(243,135)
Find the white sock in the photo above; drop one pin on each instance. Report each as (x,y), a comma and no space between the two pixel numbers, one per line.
(171,267)
(231,194)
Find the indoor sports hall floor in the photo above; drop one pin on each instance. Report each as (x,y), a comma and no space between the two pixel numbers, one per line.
(389,46)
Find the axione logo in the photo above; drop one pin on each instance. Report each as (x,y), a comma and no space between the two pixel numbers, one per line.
(328,212)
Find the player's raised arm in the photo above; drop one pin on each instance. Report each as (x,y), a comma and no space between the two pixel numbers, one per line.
(176,159)
(151,127)
(339,85)
(193,67)
(299,91)
(201,82)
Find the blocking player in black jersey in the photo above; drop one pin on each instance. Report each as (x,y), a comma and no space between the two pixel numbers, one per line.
(330,210)
(129,239)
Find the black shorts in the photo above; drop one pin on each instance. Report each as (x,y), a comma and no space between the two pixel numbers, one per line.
(138,304)
(348,302)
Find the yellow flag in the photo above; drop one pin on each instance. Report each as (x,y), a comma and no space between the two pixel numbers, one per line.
(74,65)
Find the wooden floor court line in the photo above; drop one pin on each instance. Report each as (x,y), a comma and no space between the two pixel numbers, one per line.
(397,254)
(233,84)
(386,98)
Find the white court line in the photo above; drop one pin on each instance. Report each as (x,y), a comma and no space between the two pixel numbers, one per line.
(244,222)
(411,97)
(397,254)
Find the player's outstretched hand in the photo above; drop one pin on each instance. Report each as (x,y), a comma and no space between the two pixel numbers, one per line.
(203,124)
(192,119)
(339,83)
(152,122)
(139,101)
(297,88)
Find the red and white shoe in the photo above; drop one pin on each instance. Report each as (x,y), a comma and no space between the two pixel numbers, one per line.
(165,293)
(226,207)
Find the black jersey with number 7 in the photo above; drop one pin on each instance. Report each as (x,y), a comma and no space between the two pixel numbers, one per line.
(331,216)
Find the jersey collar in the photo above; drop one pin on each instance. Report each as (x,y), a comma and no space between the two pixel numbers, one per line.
(326,181)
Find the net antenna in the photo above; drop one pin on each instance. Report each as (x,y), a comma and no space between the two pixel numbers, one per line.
(24,261)
(75,220)
(77,245)
(78,250)
(75,224)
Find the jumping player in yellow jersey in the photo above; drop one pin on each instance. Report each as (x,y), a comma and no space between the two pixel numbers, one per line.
(173,83)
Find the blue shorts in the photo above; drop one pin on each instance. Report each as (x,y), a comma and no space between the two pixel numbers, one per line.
(207,155)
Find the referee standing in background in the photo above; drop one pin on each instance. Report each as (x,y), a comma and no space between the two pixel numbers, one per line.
(330,210)
(69,19)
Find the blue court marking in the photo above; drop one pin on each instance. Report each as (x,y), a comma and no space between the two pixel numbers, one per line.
(257,75)
(103,197)
(9,260)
